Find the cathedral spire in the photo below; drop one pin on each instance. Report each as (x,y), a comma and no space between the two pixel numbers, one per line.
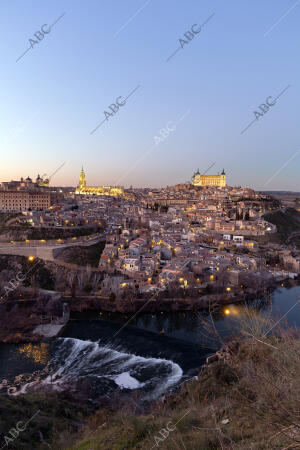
(82,182)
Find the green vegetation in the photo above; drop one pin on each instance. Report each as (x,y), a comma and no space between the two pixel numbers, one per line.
(38,274)
(43,278)
(247,399)
(48,415)
(21,231)
(29,232)
(82,255)
(287,222)
(62,233)
(5,217)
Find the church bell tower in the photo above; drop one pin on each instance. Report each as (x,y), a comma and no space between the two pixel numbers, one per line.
(82,182)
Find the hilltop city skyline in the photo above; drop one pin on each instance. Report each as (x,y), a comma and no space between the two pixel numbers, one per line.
(95,181)
(151,104)
(198,178)
(149,224)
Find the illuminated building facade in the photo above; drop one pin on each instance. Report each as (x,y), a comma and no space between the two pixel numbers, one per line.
(25,195)
(83,189)
(24,200)
(209,180)
(40,184)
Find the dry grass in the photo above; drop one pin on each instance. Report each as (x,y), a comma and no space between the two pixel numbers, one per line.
(255,391)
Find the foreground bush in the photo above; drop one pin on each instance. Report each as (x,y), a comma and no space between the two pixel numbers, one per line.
(248,399)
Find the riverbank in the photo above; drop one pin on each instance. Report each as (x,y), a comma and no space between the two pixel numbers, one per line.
(213,396)
(232,403)
(153,304)
(21,320)
(227,406)
(35,315)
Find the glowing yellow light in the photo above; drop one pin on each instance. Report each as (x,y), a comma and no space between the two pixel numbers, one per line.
(38,353)
(228,289)
(227,311)
(211,277)
(30,258)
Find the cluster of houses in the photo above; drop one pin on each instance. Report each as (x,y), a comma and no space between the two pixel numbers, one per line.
(179,237)
(153,244)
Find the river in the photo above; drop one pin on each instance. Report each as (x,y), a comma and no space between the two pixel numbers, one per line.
(151,353)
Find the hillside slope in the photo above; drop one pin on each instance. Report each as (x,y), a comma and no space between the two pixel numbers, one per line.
(287,223)
(247,401)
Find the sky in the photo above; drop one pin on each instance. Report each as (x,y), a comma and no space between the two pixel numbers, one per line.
(183,112)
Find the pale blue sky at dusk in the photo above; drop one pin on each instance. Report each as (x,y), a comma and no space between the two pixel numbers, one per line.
(56,94)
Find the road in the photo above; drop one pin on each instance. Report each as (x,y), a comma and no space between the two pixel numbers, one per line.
(43,250)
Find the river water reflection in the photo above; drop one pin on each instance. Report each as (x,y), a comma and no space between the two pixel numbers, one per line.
(151,347)
(192,326)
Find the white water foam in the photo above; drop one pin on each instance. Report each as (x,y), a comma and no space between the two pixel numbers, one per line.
(76,359)
(125,380)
